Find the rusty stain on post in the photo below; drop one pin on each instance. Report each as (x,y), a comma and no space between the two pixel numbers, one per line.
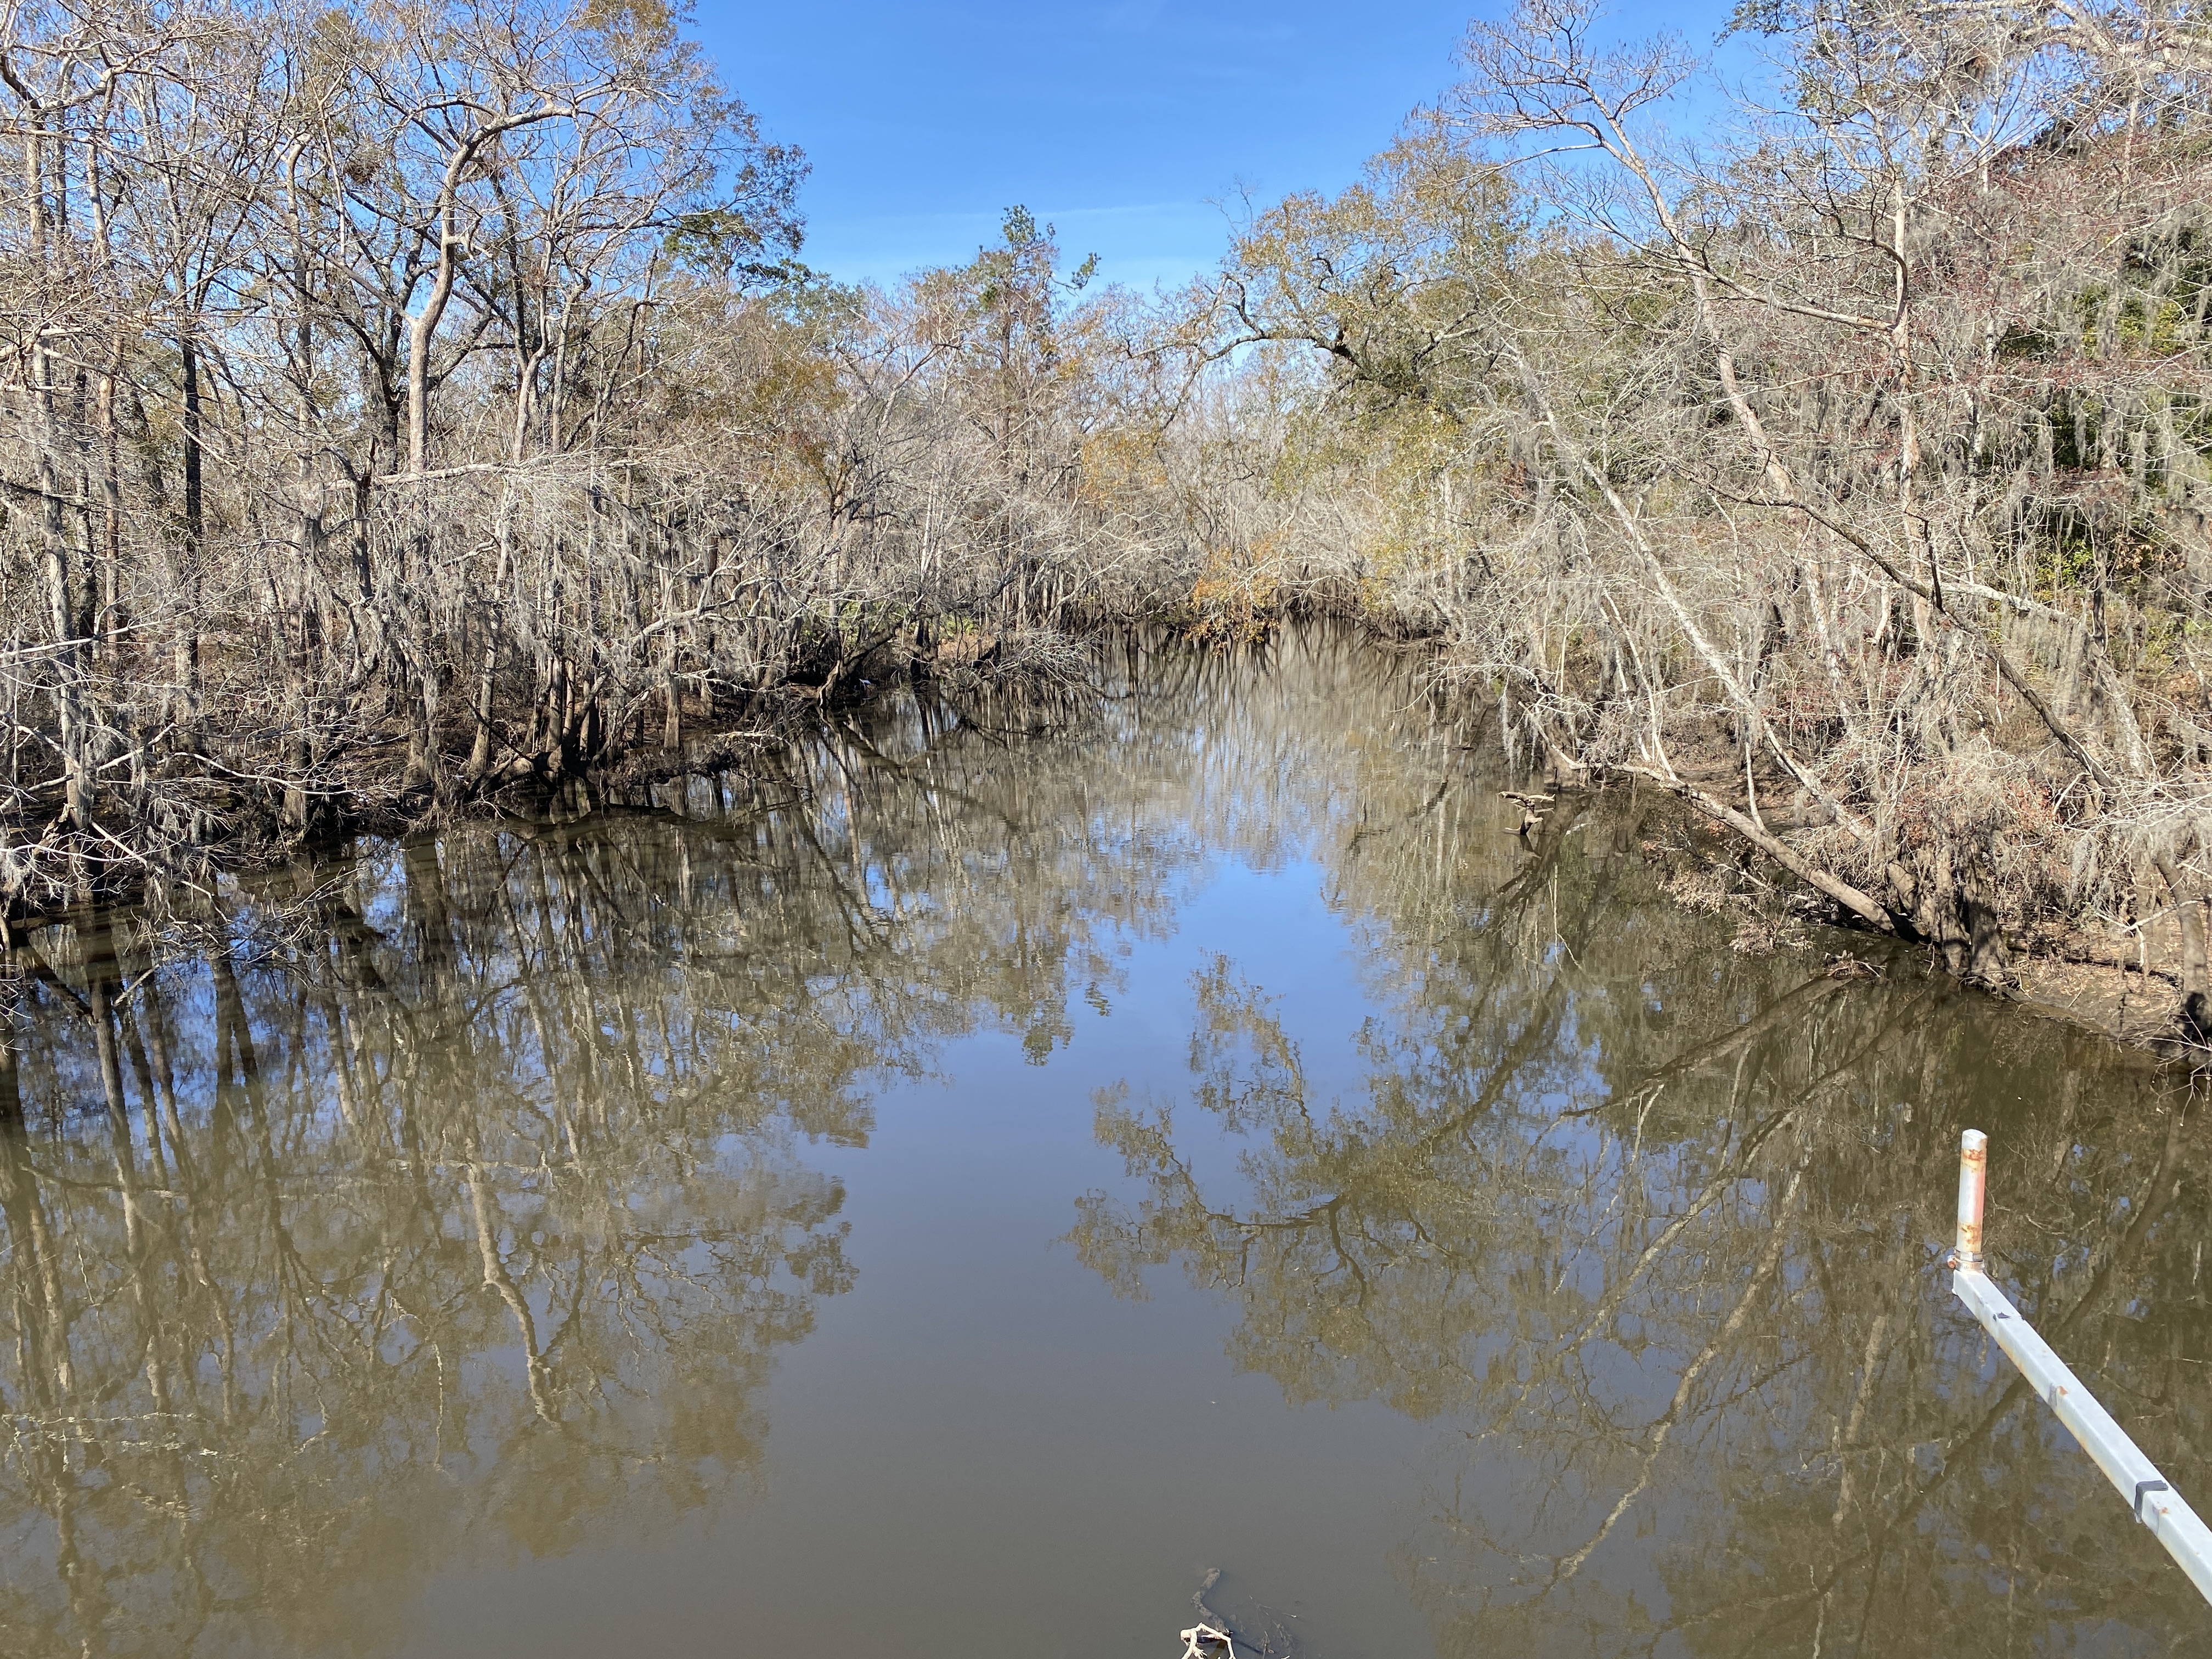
(1973,1181)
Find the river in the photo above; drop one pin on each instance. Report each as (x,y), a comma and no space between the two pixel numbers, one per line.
(949,1187)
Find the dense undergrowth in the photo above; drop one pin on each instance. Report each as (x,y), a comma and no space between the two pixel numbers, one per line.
(417,406)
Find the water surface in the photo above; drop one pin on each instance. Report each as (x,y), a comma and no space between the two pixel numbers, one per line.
(946,1192)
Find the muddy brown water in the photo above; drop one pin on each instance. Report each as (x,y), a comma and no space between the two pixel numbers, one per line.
(944,1195)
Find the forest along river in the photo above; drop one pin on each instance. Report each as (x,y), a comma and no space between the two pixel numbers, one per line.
(942,1197)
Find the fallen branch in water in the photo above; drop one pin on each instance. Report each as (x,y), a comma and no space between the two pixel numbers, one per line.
(1214,1635)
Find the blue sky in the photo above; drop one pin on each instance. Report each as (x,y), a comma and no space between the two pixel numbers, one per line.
(1125,124)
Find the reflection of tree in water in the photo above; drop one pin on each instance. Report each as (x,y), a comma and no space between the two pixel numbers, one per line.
(414,1249)
(1650,1230)
(474,1214)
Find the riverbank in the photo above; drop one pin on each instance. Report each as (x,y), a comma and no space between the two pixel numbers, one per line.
(1027,682)
(2124,986)
(201,818)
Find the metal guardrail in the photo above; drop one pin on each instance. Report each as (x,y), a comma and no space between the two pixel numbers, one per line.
(2155,1504)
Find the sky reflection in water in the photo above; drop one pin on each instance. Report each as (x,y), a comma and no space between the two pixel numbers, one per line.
(941,1196)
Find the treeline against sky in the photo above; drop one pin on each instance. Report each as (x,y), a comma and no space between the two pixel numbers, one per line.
(413,404)
(410,401)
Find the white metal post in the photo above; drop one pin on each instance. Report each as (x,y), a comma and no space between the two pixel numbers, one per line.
(2155,1504)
